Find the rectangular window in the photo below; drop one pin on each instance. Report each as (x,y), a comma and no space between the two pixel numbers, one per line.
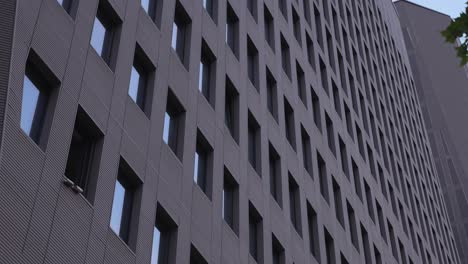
(369,200)
(330,134)
(196,257)
(232,30)
(329,248)
(84,156)
(357,179)
(344,157)
(306,151)
(231,109)
(277,250)
(181,34)
(296,26)
(154,10)
(252,7)
(106,31)
(255,234)
(252,63)
(352,226)
(290,126)
(254,144)
(285,57)
(203,164)
(207,73)
(164,243)
(338,202)
(316,109)
(126,204)
(269,27)
(310,50)
(301,84)
(38,101)
(174,125)
(231,201)
(294,204)
(142,80)
(275,174)
(314,241)
(323,178)
(272,94)
(211,6)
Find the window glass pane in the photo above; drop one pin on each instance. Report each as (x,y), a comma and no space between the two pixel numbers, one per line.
(155,247)
(117,207)
(200,77)
(29,105)
(167,122)
(195,169)
(174,36)
(145,4)
(97,37)
(134,81)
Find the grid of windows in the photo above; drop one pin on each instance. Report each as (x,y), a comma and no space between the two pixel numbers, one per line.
(385,141)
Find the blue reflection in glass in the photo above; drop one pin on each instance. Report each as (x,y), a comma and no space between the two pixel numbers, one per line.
(195,169)
(167,123)
(117,207)
(174,36)
(134,81)
(200,77)
(29,105)
(145,4)
(98,35)
(155,247)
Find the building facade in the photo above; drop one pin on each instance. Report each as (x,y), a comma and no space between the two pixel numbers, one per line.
(213,131)
(441,84)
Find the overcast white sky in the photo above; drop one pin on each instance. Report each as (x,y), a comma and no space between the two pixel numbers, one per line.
(450,7)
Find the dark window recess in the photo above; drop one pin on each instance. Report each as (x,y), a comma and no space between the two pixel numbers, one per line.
(269,27)
(207,74)
(277,250)
(349,121)
(275,174)
(314,241)
(181,34)
(154,9)
(232,30)
(290,126)
(164,244)
(297,26)
(203,164)
(324,75)
(310,51)
(211,6)
(255,234)
(344,157)
(323,178)
(331,54)
(352,226)
(40,91)
(252,63)
(338,202)
(294,204)
(231,201)
(231,109)
(254,144)
(330,134)
(343,259)
(307,15)
(381,218)
(142,81)
(306,151)
(378,256)
(196,257)
(316,109)
(336,99)
(253,9)
(329,248)
(174,125)
(126,204)
(285,57)
(106,33)
(369,201)
(366,245)
(283,7)
(318,26)
(84,156)
(272,94)
(301,84)
(357,179)
(70,6)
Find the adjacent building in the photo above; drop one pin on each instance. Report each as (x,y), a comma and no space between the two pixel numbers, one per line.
(442,86)
(214,131)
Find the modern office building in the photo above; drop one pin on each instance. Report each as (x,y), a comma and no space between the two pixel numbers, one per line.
(213,131)
(442,88)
